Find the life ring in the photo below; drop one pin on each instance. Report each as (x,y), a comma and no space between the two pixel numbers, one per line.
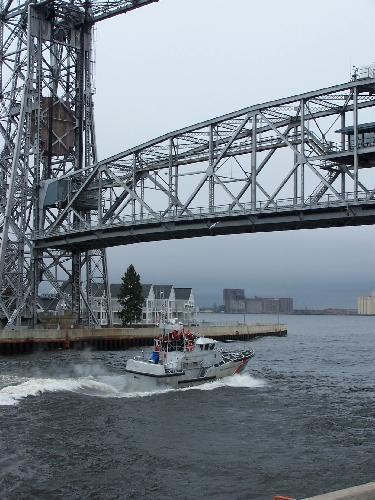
(190,346)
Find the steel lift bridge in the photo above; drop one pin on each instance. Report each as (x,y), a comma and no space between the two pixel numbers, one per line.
(300,162)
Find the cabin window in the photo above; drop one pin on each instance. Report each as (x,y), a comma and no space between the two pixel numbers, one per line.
(201,346)
(212,346)
(206,347)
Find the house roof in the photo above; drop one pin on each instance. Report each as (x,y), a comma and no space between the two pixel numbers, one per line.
(97,289)
(146,290)
(182,293)
(48,303)
(115,290)
(162,291)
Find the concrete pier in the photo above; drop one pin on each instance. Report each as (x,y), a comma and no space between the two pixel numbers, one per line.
(24,341)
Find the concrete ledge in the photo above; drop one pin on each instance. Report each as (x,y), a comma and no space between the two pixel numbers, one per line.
(363,492)
(24,341)
(139,333)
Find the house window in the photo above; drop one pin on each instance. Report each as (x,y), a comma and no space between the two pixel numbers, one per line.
(144,315)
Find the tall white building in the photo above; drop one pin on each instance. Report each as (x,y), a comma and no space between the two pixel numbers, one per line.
(366,304)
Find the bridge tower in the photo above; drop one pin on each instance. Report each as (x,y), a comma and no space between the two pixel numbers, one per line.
(47,132)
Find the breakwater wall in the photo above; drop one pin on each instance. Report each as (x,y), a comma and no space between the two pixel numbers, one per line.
(24,341)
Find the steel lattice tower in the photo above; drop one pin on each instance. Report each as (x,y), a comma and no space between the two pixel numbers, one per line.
(47,132)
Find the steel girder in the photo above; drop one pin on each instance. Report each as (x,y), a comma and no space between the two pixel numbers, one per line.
(47,132)
(290,161)
(280,218)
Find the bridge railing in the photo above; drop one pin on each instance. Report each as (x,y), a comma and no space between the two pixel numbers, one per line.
(220,211)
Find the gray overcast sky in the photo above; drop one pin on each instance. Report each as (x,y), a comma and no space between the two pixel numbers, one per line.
(177,62)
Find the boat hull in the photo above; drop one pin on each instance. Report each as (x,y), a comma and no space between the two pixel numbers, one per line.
(188,378)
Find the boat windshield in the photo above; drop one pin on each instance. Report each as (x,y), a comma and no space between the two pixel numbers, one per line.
(206,347)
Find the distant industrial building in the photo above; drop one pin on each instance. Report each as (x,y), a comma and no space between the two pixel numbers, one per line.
(236,302)
(366,304)
(254,306)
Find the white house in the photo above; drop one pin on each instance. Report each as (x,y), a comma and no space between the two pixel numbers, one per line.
(159,301)
(185,309)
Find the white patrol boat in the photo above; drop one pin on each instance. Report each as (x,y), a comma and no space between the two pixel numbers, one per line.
(181,358)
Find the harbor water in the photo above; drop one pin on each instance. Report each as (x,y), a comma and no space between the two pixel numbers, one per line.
(299,421)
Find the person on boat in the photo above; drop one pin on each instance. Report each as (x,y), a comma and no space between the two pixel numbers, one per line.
(176,335)
(180,344)
(189,335)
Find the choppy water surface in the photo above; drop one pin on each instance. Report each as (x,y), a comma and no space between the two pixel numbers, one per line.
(300,421)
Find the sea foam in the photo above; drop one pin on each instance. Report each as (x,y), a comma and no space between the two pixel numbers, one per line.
(11,394)
(110,387)
(245,381)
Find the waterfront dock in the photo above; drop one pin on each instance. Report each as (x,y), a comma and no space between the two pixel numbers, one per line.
(25,341)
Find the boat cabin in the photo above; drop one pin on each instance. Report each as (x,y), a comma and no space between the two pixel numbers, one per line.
(205,344)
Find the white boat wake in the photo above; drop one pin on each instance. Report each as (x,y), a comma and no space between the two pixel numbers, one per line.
(107,387)
(237,381)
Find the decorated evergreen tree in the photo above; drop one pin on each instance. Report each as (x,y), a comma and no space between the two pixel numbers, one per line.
(130,297)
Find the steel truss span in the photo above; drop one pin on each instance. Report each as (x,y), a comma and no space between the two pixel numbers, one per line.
(301,162)
(47,132)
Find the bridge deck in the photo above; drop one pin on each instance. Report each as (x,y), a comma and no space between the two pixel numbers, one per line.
(281,216)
